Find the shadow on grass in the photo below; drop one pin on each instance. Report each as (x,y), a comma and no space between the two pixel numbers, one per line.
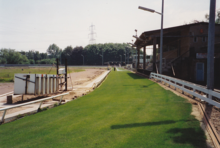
(148,124)
(142,124)
(142,86)
(134,76)
(192,136)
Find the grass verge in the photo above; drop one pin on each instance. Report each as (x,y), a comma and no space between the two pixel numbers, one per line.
(125,111)
(7,74)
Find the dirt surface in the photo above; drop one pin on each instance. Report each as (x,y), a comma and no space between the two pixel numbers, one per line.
(83,78)
(13,110)
(6,87)
(76,88)
(78,78)
(214,114)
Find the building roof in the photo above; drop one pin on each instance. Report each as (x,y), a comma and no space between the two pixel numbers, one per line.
(147,35)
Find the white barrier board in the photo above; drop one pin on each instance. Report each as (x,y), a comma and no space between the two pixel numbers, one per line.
(20,84)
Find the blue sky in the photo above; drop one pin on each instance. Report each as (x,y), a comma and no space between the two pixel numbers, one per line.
(35,24)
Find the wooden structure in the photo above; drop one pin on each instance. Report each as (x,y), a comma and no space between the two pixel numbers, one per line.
(184,51)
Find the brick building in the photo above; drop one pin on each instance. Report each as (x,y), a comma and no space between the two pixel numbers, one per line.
(184,51)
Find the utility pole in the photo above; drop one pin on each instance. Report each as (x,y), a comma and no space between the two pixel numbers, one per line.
(57,66)
(83,58)
(60,59)
(65,74)
(161,39)
(128,57)
(136,58)
(125,57)
(211,46)
(102,57)
(92,34)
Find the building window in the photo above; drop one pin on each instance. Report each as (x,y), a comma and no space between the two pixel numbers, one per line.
(195,39)
(204,39)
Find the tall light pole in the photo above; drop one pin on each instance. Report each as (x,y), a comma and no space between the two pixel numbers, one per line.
(102,59)
(211,46)
(128,57)
(125,58)
(60,58)
(83,58)
(161,32)
(135,52)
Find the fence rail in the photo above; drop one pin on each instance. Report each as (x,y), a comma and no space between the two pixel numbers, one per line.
(28,103)
(191,88)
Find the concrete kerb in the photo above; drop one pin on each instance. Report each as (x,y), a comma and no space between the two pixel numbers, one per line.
(96,85)
(99,83)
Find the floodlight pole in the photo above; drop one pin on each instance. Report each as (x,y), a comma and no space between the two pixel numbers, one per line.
(102,59)
(161,38)
(136,58)
(60,59)
(161,32)
(128,57)
(211,46)
(65,74)
(125,59)
(83,58)
(57,66)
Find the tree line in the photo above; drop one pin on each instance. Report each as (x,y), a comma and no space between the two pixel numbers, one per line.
(95,54)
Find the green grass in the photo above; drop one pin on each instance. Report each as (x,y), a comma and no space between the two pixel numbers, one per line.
(7,74)
(126,111)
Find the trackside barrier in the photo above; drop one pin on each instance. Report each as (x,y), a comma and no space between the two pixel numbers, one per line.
(28,103)
(180,84)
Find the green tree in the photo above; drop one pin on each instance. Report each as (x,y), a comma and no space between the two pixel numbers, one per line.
(13,57)
(54,51)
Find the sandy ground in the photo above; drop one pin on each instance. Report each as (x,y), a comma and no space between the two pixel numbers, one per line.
(83,78)
(214,114)
(78,78)
(6,87)
(79,81)
(76,84)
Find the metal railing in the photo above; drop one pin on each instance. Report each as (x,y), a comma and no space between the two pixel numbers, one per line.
(28,103)
(189,88)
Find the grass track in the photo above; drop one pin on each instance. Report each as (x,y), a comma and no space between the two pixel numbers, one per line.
(7,74)
(126,111)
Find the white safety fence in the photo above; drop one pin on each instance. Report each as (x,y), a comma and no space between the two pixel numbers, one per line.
(189,88)
(28,103)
